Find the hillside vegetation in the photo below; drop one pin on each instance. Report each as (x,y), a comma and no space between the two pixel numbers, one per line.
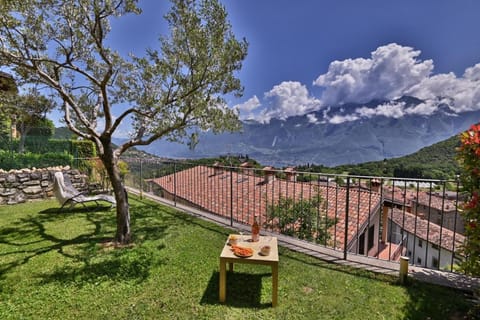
(437,161)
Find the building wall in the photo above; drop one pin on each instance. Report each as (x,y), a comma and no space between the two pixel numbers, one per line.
(451,219)
(424,254)
(355,245)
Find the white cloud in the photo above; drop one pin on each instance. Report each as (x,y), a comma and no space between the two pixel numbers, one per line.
(473,73)
(461,94)
(435,86)
(312,118)
(337,119)
(391,71)
(248,107)
(425,109)
(289,98)
(391,110)
(386,75)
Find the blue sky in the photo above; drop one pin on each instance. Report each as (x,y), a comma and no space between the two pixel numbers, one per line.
(297,40)
(310,55)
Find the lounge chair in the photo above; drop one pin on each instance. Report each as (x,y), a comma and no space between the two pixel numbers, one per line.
(67,195)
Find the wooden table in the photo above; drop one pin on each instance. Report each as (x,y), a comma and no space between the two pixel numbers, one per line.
(227,256)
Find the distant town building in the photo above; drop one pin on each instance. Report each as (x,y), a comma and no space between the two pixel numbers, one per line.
(437,207)
(425,243)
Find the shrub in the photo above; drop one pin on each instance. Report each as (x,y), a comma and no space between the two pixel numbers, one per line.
(469,158)
(303,218)
(98,173)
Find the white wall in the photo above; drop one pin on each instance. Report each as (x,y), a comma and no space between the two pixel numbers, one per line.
(423,254)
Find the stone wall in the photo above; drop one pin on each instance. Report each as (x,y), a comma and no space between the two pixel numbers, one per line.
(17,186)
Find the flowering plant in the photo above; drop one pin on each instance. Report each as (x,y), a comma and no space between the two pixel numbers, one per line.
(469,158)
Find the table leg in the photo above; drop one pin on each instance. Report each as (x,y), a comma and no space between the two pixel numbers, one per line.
(230,266)
(223,280)
(274,284)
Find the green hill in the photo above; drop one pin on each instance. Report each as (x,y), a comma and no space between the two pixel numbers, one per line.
(437,161)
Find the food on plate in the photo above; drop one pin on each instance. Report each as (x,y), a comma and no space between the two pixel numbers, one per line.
(242,251)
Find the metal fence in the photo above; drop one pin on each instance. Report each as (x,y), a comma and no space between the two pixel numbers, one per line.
(376,217)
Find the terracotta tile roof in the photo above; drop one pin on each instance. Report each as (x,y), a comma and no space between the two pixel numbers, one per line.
(399,195)
(246,165)
(428,231)
(269,170)
(409,198)
(250,195)
(289,170)
(436,201)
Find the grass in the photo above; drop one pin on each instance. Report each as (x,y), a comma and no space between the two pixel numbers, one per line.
(54,266)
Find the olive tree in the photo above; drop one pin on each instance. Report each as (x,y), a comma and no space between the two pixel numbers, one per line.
(28,111)
(171,92)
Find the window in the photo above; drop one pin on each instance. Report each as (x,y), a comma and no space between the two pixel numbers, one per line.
(371,237)
(435,262)
(419,261)
(361,244)
(420,243)
(409,253)
(435,246)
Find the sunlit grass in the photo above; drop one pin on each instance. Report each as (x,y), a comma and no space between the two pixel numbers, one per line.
(54,266)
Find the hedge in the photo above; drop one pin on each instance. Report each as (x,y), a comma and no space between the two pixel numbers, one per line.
(13,160)
(33,144)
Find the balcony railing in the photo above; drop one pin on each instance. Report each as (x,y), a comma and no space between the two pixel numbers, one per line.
(399,241)
(356,215)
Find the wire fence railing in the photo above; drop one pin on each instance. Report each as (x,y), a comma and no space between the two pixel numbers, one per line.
(376,217)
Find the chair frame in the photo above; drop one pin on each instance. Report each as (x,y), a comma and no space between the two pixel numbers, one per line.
(67,195)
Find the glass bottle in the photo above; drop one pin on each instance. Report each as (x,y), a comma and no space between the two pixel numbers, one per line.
(255,230)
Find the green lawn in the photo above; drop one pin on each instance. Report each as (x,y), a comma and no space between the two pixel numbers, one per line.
(53,266)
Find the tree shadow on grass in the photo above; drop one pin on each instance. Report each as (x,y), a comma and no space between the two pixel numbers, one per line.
(244,290)
(90,261)
(429,301)
(119,265)
(77,209)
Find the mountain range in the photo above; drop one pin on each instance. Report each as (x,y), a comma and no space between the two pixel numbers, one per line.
(299,140)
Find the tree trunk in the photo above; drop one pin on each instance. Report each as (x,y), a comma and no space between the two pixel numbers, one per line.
(23,137)
(21,144)
(123,234)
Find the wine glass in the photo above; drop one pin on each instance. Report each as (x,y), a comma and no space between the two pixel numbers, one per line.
(267,238)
